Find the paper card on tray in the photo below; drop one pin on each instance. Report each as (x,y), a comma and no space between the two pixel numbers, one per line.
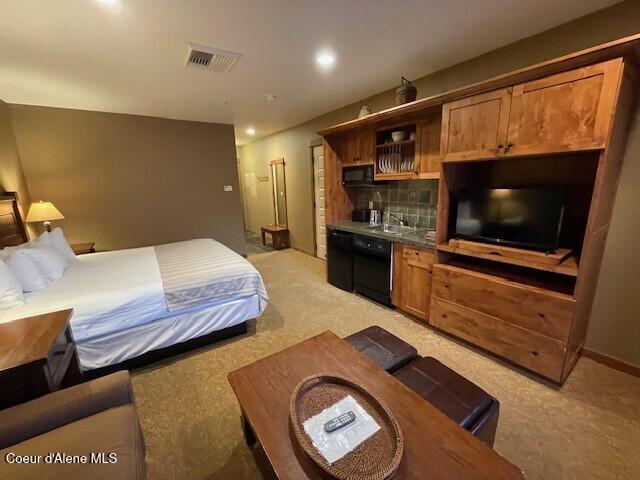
(335,445)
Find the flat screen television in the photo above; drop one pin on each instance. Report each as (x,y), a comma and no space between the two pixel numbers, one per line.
(518,217)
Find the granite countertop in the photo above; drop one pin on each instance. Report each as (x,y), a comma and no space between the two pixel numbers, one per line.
(363,228)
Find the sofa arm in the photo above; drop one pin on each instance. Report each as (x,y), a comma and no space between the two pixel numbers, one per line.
(47,413)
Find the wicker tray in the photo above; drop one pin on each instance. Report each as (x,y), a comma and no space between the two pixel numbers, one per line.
(376,458)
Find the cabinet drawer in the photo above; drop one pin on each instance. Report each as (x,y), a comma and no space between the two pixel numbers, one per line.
(418,255)
(531,350)
(533,308)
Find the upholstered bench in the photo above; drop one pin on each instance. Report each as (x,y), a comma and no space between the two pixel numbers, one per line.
(384,348)
(455,396)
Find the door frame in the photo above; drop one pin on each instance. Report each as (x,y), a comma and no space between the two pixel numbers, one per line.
(317,142)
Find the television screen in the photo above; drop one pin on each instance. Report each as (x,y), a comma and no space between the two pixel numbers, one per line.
(518,217)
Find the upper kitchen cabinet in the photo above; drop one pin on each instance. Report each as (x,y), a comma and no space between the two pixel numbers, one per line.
(428,147)
(475,127)
(569,111)
(357,148)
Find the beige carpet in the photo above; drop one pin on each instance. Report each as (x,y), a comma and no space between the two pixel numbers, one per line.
(588,429)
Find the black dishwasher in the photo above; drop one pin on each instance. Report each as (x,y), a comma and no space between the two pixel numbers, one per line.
(339,259)
(372,268)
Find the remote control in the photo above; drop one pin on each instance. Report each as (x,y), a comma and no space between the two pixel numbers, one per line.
(339,422)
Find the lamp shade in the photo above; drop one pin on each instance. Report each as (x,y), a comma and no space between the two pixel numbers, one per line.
(43,212)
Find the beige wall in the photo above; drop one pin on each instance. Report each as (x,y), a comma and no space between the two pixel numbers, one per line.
(614,327)
(126,180)
(11,174)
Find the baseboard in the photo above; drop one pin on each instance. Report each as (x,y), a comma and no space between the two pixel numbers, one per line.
(612,362)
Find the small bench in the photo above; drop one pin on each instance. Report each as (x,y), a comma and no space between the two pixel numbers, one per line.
(384,348)
(279,236)
(455,396)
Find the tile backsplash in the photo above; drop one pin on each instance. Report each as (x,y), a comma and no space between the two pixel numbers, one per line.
(415,201)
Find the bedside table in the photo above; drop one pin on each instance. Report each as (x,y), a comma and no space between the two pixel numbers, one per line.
(82,248)
(37,356)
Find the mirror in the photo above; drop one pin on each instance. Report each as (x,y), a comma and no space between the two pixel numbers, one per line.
(279,191)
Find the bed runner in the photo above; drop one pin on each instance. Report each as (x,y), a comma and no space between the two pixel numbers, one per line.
(203,271)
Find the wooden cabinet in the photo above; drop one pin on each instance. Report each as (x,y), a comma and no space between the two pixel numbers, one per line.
(565,112)
(532,350)
(412,280)
(428,132)
(357,148)
(475,127)
(570,111)
(526,324)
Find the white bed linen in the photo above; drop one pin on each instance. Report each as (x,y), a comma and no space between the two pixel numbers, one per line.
(109,292)
(117,347)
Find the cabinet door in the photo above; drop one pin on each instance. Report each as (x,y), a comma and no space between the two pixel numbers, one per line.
(351,149)
(416,282)
(564,112)
(475,127)
(366,147)
(428,133)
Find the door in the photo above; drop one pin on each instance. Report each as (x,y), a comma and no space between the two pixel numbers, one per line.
(319,202)
(475,127)
(416,282)
(568,111)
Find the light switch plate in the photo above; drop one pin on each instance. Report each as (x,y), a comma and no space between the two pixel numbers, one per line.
(228,188)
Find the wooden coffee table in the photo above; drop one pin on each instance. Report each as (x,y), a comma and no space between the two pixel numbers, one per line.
(435,447)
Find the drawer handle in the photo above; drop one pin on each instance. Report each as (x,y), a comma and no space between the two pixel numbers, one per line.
(444,315)
(446,285)
(535,354)
(541,315)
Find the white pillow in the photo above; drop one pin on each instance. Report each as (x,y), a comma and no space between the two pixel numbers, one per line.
(10,289)
(48,260)
(26,271)
(45,241)
(60,243)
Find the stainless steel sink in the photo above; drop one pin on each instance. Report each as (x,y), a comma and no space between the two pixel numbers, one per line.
(398,230)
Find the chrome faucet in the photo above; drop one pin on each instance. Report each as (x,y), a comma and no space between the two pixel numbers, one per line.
(399,219)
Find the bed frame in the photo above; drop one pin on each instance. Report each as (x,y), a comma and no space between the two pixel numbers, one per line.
(13,232)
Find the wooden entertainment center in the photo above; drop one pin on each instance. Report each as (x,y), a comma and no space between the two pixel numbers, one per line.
(562,123)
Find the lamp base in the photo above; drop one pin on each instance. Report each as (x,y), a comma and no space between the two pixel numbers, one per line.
(47,226)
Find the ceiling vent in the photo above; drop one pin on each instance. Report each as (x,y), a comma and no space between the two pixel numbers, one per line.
(213,59)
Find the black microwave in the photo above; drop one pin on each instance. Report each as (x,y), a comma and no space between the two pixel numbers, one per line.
(360,175)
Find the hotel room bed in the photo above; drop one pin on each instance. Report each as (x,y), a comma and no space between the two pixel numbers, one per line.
(130,302)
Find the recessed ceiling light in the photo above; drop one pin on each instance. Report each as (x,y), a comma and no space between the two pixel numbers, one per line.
(269,97)
(109,2)
(325,59)
(251,131)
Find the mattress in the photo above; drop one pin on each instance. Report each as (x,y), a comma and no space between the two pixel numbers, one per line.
(109,291)
(117,295)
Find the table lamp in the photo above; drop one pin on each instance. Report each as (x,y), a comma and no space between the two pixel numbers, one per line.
(44,212)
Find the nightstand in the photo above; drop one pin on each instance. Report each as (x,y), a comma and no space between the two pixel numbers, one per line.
(82,248)
(37,356)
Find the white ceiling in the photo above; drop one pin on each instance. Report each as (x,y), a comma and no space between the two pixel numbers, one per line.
(129,57)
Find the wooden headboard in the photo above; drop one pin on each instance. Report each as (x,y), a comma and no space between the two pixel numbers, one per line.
(12,231)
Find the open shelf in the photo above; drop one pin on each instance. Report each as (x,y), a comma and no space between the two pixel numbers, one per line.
(569,266)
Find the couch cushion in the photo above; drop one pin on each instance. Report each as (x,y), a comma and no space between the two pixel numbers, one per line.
(111,431)
(449,392)
(384,348)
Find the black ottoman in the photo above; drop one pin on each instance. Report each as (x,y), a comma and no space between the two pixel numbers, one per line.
(455,396)
(384,348)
